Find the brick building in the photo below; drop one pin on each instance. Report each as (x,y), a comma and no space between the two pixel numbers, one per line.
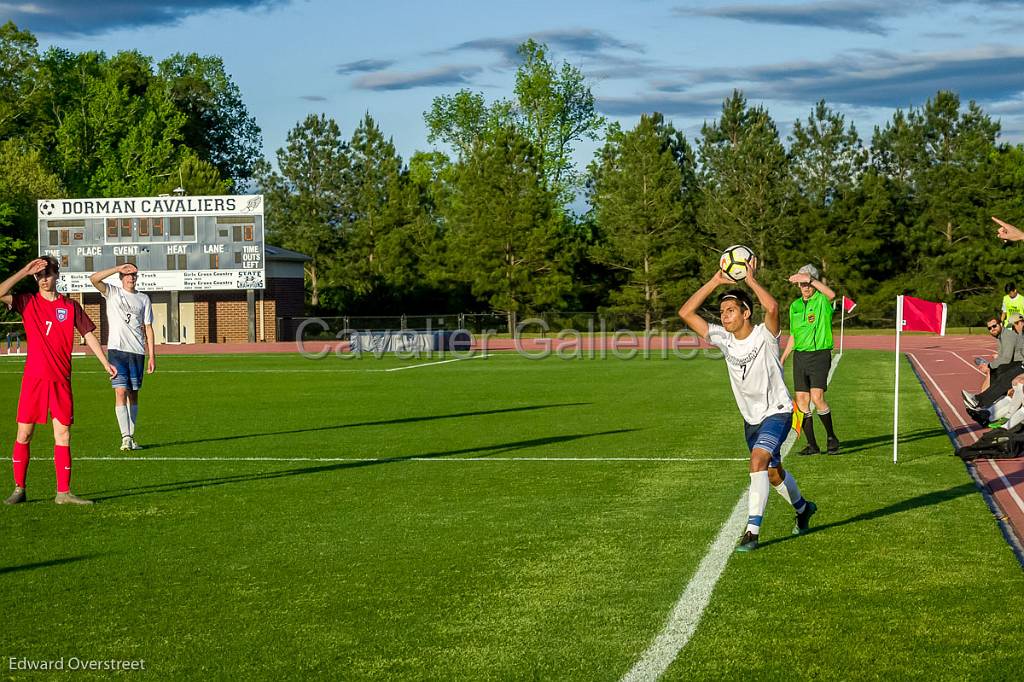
(224,316)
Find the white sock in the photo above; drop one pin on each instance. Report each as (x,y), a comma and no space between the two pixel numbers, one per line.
(122,419)
(757,499)
(133,417)
(790,492)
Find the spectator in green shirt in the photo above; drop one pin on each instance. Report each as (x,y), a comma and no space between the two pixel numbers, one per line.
(1012,302)
(810,341)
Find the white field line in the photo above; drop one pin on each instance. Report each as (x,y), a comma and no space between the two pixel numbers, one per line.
(686,614)
(945,398)
(1007,485)
(968,363)
(439,362)
(399,458)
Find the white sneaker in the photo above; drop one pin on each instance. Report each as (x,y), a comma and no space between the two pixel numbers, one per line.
(126,443)
(132,444)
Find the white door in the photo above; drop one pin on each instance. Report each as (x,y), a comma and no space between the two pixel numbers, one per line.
(159,321)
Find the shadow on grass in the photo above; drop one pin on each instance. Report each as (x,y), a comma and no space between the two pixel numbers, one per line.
(855,445)
(381,422)
(42,564)
(484,451)
(925,500)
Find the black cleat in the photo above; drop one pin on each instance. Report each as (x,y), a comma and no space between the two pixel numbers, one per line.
(809,450)
(804,518)
(748,543)
(979,415)
(833,446)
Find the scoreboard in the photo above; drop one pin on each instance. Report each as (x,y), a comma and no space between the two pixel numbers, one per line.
(179,243)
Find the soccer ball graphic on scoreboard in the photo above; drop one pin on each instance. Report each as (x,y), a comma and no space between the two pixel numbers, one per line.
(734,262)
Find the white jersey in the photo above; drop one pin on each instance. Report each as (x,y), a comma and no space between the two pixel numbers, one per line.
(127,314)
(754,371)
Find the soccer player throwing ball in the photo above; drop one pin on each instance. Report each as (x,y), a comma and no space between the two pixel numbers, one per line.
(752,358)
(50,321)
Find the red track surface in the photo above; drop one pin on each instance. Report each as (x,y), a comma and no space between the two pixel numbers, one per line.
(944,369)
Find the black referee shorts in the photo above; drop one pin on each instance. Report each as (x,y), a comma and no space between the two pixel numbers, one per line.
(810,369)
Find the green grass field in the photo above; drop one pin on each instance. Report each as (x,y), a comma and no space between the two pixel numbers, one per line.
(467,521)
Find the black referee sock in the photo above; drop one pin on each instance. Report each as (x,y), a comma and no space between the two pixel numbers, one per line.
(826,419)
(809,431)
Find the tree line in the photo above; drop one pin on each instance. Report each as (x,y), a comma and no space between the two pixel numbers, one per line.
(488,219)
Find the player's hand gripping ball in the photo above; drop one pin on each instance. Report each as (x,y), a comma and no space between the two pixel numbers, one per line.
(734,262)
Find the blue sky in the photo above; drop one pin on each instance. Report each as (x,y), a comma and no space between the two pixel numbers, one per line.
(295,57)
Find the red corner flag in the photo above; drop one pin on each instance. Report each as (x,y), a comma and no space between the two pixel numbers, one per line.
(923,316)
(848,304)
(912,315)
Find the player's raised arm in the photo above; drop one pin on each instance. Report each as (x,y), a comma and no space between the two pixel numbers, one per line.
(805,278)
(31,268)
(767,301)
(97,277)
(690,312)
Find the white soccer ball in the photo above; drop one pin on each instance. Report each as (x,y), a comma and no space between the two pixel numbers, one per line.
(734,262)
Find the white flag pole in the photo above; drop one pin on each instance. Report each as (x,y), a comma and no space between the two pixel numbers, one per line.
(896,394)
(842,324)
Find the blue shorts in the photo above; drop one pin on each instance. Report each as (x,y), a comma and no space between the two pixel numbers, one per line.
(129,369)
(769,435)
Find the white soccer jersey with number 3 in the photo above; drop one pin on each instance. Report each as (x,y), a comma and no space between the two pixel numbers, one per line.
(127,315)
(754,371)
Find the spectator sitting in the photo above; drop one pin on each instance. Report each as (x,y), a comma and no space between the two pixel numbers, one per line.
(1009,407)
(1008,364)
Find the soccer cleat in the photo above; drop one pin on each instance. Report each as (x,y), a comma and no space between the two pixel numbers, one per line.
(833,446)
(132,444)
(69,498)
(969,399)
(809,450)
(979,415)
(17,497)
(748,543)
(126,443)
(803,518)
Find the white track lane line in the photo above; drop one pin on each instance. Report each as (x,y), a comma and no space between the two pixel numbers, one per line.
(439,362)
(1008,486)
(945,398)
(966,362)
(686,613)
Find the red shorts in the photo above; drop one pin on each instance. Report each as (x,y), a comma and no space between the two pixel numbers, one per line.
(39,396)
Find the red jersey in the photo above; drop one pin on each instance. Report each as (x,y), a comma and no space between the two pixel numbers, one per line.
(50,331)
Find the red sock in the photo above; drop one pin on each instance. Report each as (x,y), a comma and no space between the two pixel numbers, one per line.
(62,464)
(20,461)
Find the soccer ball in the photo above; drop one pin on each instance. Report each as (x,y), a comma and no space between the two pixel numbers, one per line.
(734,262)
